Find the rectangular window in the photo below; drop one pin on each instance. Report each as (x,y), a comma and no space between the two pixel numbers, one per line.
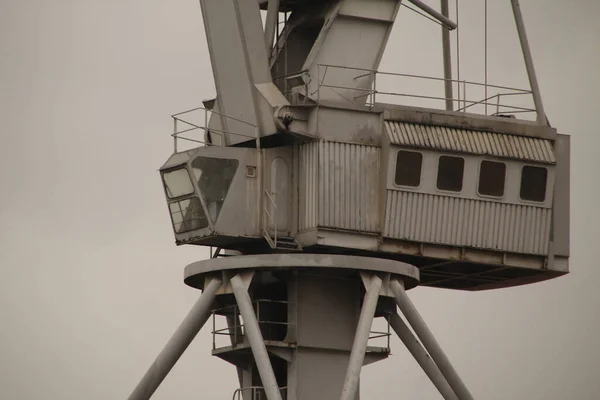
(492,176)
(408,168)
(450,173)
(178,183)
(533,183)
(188,215)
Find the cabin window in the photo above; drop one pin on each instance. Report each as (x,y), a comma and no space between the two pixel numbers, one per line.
(492,176)
(408,168)
(178,183)
(188,215)
(533,183)
(214,176)
(450,173)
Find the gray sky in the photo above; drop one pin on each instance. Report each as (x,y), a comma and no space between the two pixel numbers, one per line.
(91,283)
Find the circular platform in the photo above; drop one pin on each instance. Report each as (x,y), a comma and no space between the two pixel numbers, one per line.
(194,273)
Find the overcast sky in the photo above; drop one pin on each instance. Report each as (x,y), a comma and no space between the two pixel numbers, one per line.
(91,281)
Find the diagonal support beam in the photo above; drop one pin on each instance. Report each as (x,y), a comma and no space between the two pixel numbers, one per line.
(271,23)
(443,19)
(533,83)
(180,340)
(257,344)
(359,347)
(421,356)
(235,333)
(432,346)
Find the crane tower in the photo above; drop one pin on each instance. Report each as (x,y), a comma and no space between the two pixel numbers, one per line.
(324,196)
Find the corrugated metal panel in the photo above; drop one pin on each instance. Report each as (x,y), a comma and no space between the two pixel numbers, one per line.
(349,186)
(308,155)
(466,222)
(461,140)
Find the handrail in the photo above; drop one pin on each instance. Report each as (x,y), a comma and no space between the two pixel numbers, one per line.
(177,118)
(255,389)
(237,329)
(272,218)
(462,101)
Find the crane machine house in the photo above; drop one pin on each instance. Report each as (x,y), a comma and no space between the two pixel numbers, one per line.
(300,156)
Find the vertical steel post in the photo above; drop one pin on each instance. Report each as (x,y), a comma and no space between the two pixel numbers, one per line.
(535,89)
(271,24)
(361,338)
(485,52)
(421,356)
(174,134)
(432,346)
(180,340)
(447,59)
(257,344)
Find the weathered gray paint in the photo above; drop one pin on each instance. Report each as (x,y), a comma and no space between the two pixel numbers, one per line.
(340,186)
(195,273)
(252,332)
(462,120)
(361,338)
(239,61)
(562,197)
(355,125)
(420,355)
(472,165)
(181,339)
(431,345)
(351,23)
(348,186)
(308,172)
(465,222)
(469,141)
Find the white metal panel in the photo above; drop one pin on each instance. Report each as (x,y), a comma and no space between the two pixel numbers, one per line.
(467,141)
(349,186)
(466,222)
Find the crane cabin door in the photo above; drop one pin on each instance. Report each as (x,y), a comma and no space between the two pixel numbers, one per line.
(278,191)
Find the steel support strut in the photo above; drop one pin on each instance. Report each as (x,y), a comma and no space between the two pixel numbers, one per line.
(180,340)
(447,56)
(429,342)
(235,333)
(535,88)
(361,337)
(421,356)
(257,344)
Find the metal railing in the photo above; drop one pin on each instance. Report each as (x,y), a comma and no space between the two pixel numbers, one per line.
(386,335)
(461,102)
(270,223)
(236,332)
(256,393)
(184,125)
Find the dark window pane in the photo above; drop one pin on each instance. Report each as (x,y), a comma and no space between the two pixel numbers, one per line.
(450,173)
(214,177)
(533,183)
(491,178)
(408,168)
(188,215)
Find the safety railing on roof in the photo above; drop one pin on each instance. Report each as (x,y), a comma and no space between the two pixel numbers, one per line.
(192,126)
(470,96)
